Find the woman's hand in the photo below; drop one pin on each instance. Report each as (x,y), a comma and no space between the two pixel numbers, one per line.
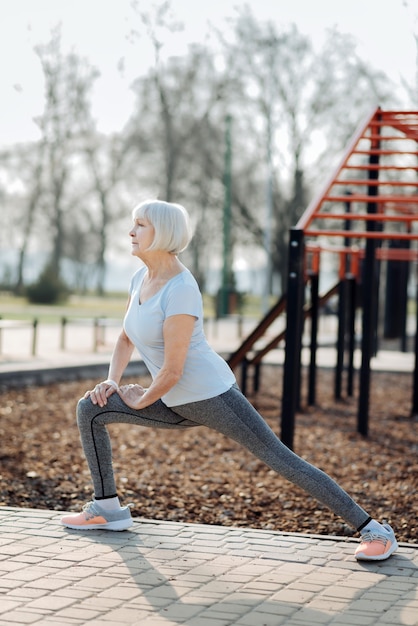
(131,394)
(101,392)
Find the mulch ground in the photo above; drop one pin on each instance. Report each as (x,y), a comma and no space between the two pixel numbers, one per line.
(200,476)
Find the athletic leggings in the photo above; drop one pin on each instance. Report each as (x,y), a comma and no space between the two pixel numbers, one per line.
(230,414)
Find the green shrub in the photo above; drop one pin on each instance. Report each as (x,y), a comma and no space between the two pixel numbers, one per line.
(48,289)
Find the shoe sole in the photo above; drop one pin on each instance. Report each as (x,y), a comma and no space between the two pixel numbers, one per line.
(117,526)
(379,557)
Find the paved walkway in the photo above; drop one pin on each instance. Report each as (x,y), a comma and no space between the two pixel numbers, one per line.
(166,573)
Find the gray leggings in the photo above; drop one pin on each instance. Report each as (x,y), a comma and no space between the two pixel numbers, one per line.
(230,414)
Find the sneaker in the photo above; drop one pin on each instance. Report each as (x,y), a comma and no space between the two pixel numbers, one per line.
(94,517)
(377,546)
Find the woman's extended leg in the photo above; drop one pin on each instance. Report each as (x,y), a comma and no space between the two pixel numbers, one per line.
(232,415)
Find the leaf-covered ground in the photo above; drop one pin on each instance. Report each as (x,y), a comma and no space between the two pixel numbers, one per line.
(201,476)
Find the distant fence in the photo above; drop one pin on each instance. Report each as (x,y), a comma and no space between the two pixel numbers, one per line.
(98,325)
(224,332)
(17,324)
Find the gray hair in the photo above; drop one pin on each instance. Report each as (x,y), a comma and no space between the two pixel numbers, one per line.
(171,223)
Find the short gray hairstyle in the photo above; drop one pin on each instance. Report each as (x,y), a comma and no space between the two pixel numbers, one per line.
(171,223)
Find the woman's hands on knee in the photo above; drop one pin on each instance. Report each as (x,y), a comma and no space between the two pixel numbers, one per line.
(101,392)
(131,394)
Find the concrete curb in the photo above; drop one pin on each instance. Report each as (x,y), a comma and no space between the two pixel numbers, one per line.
(45,376)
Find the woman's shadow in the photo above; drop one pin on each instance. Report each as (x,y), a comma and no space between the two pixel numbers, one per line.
(185,583)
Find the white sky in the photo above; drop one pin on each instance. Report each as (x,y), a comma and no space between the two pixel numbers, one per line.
(98,29)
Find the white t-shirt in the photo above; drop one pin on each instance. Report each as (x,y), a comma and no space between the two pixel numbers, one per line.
(206,374)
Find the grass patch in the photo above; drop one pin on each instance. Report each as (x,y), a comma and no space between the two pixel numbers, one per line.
(111,305)
(15,308)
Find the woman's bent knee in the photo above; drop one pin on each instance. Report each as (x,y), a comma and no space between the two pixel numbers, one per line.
(84,410)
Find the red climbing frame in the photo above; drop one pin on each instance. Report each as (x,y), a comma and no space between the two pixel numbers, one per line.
(369,200)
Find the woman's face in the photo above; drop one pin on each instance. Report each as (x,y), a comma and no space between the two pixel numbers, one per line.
(142,235)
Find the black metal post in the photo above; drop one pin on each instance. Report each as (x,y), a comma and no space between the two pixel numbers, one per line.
(314,278)
(396,297)
(404,304)
(244,375)
(342,304)
(299,349)
(257,376)
(369,296)
(293,335)
(351,332)
(368,333)
(34,336)
(63,326)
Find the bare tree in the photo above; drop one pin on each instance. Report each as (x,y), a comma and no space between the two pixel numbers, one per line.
(177,128)
(22,166)
(175,99)
(294,95)
(105,157)
(68,81)
(34,169)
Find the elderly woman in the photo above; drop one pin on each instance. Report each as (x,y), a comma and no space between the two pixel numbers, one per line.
(191,386)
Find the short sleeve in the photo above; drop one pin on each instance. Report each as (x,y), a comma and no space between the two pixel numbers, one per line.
(184,299)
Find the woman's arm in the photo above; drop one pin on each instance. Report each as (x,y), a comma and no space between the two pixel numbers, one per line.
(120,358)
(177,332)
(121,355)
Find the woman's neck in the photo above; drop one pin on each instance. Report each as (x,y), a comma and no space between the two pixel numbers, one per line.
(163,266)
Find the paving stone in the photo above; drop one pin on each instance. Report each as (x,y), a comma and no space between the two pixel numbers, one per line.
(166,574)
(19,617)
(50,602)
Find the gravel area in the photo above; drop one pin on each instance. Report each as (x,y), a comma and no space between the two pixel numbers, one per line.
(201,476)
